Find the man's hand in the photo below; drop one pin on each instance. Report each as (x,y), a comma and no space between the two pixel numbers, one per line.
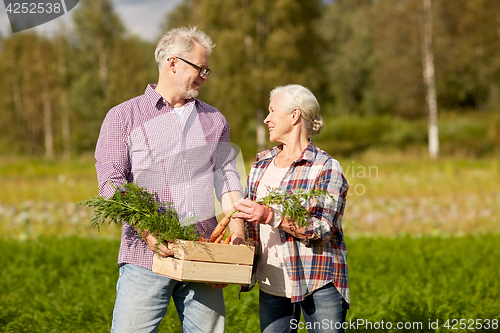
(218,285)
(162,250)
(236,225)
(236,228)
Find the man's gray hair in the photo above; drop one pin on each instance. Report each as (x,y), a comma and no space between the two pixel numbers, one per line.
(297,96)
(180,42)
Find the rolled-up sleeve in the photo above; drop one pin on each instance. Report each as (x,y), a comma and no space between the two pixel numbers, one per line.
(327,211)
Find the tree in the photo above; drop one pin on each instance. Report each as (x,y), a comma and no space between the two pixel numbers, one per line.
(43,60)
(347,26)
(62,51)
(98,30)
(467,48)
(259,44)
(27,98)
(429,79)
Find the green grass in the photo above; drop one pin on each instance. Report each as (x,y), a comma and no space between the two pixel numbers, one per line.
(420,279)
(409,194)
(391,194)
(47,180)
(422,241)
(57,285)
(68,284)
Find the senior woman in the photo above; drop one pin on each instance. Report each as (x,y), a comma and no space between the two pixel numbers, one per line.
(299,267)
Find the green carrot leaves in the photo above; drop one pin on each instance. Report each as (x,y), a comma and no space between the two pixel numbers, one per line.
(293,203)
(133,204)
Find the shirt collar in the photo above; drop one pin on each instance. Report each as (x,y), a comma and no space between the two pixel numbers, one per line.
(307,153)
(153,95)
(156,98)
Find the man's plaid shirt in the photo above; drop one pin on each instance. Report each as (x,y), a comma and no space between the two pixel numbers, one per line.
(322,257)
(183,161)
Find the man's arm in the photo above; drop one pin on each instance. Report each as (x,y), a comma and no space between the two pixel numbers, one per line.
(112,155)
(236,226)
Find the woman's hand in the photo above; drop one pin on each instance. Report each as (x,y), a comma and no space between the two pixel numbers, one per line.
(253,212)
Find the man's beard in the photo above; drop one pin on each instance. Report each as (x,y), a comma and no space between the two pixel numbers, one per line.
(189,92)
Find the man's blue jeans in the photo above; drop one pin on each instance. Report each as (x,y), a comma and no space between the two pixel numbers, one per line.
(143,297)
(324,311)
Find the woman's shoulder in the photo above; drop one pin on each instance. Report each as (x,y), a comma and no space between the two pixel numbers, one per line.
(268,154)
(322,157)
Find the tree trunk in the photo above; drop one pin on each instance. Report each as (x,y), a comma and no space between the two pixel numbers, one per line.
(103,66)
(47,118)
(497,12)
(65,124)
(17,98)
(43,72)
(429,79)
(261,130)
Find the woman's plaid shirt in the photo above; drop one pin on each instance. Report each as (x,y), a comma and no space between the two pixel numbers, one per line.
(322,257)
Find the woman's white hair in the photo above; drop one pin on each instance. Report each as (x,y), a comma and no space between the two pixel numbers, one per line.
(180,42)
(297,96)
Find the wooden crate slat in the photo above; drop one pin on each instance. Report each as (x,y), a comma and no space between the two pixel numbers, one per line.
(199,271)
(210,252)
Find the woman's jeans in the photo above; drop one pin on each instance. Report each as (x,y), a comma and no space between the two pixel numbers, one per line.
(324,311)
(143,297)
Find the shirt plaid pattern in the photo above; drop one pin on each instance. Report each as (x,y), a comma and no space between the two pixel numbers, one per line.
(144,141)
(322,257)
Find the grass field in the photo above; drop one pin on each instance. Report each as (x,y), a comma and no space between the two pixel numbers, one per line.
(68,285)
(422,241)
(390,194)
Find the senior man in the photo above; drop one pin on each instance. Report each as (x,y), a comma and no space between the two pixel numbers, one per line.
(177,146)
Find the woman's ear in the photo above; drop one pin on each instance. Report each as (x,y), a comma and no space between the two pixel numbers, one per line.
(296,113)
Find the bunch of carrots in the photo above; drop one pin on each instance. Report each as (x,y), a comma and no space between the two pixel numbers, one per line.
(219,232)
(139,208)
(292,205)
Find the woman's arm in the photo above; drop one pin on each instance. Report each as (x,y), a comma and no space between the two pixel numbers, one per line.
(325,212)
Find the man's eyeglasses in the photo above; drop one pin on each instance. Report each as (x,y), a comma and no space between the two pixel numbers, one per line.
(202,71)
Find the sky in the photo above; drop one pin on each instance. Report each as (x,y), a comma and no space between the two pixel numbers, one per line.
(140,17)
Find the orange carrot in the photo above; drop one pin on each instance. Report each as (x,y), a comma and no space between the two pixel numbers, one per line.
(219,238)
(228,238)
(219,229)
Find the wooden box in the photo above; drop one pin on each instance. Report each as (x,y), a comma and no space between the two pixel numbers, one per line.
(207,262)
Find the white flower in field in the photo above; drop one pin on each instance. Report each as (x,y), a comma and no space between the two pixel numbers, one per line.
(22,217)
(27,204)
(485,213)
(22,237)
